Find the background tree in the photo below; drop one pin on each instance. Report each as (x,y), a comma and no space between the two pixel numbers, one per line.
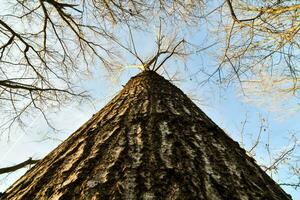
(262,37)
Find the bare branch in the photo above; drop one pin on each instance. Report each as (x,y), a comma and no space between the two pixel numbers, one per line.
(30,161)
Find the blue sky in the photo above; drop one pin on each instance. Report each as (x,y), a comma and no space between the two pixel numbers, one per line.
(225,104)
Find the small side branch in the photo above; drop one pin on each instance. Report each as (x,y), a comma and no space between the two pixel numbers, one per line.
(30,161)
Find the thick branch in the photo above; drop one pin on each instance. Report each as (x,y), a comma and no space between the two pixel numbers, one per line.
(234,17)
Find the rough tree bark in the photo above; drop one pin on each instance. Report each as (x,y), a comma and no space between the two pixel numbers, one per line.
(150,142)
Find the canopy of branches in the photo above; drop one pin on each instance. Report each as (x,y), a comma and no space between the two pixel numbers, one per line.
(47,44)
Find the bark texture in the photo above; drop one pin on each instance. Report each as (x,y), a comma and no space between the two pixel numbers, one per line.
(150,142)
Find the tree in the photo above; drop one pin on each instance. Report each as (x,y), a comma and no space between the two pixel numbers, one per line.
(149,142)
(47,45)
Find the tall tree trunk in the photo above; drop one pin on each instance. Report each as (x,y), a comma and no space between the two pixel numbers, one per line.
(150,142)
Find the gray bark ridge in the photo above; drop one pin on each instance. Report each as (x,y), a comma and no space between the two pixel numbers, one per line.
(150,142)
